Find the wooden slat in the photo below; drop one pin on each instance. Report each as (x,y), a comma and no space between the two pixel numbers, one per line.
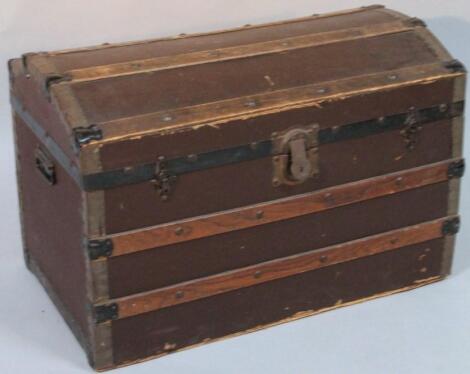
(244,51)
(277,269)
(215,114)
(217,32)
(279,210)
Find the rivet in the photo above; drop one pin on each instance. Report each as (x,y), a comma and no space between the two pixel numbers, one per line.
(393,77)
(258,274)
(167,118)
(259,214)
(443,108)
(28,76)
(242,248)
(254,146)
(321,90)
(399,181)
(276,182)
(192,158)
(323,259)
(251,104)
(423,270)
(382,120)
(179,294)
(179,231)
(274,135)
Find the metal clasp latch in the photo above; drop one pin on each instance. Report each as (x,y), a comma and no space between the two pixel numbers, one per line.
(45,166)
(163,181)
(295,155)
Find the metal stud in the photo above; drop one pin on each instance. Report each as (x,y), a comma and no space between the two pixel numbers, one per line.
(179,231)
(179,294)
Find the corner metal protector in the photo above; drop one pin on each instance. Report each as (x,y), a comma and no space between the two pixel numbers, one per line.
(455,66)
(105,313)
(10,71)
(451,227)
(84,135)
(53,79)
(100,249)
(456,169)
(416,22)
(24,59)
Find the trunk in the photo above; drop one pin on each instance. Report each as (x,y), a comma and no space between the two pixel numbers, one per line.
(264,174)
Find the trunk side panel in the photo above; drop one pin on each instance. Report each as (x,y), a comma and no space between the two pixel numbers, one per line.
(53,227)
(178,263)
(135,206)
(174,328)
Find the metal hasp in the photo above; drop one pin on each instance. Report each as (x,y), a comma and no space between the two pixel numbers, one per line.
(295,156)
(45,166)
(163,181)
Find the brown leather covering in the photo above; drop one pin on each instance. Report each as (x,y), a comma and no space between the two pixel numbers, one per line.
(52,226)
(94,57)
(244,131)
(199,258)
(134,206)
(170,329)
(121,97)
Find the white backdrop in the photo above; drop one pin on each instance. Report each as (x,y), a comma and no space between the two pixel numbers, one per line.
(426,331)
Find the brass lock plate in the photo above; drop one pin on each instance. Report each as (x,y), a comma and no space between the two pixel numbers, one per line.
(295,155)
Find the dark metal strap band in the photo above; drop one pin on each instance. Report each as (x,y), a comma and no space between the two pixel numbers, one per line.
(249,152)
(243,153)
